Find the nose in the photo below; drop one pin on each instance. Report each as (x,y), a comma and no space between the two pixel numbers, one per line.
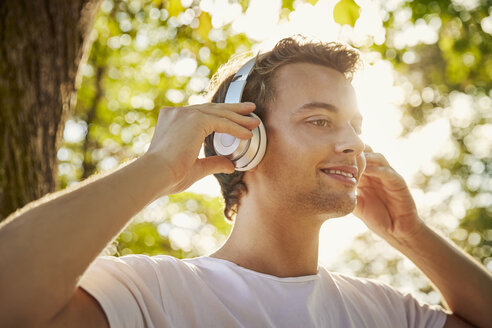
(349,142)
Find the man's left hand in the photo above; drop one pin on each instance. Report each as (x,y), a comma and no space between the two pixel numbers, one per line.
(384,202)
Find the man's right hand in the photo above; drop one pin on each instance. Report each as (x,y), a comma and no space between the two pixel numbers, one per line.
(180,132)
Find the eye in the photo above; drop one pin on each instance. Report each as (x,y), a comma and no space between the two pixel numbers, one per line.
(321,122)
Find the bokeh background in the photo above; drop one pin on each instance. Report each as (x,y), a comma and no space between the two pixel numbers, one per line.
(425,94)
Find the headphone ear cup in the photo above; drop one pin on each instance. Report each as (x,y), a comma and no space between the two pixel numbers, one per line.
(245,154)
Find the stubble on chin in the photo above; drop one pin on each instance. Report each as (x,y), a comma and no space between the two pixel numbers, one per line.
(334,205)
(321,202)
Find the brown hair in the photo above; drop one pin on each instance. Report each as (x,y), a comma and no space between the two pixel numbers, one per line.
(260,89)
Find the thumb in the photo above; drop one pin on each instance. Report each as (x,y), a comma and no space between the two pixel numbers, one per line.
(215,164)
(359,206)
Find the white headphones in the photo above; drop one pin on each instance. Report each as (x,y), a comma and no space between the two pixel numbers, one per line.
(245,154)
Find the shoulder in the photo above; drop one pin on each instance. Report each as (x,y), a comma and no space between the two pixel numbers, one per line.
(139,264)
(375,295)
(351,283)
(368,289)
(124,281)
(134,290)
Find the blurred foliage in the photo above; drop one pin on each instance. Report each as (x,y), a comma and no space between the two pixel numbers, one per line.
(182,225)
(453,54)
(442,54)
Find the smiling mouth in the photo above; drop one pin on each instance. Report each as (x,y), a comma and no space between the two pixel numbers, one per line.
(346,174)
(341,176)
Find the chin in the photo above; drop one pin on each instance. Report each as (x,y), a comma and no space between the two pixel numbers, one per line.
(334,206)
(346,209)
(340,209)
(349,203)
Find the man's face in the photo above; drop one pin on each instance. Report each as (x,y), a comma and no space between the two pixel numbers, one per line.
(313,143)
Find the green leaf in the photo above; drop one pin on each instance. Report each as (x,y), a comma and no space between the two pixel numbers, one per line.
(174,7)
(205,25)
(288,4)
(346,12)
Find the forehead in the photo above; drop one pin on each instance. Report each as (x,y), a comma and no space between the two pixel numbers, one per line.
(302,83)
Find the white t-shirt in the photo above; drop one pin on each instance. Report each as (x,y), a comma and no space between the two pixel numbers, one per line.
(162,291)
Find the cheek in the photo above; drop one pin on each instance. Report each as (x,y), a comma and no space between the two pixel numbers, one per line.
(279,142)
(275,150)
(284,151)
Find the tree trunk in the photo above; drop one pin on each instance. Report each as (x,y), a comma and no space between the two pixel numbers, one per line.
(42,44)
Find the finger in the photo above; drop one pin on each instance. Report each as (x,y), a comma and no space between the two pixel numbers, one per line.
(368,149)
(224,125)
(240,108)
(376,159)
(213,165)
(244,120)
(375,170)
(386,176)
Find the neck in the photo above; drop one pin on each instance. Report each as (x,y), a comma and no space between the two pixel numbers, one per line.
(273,241)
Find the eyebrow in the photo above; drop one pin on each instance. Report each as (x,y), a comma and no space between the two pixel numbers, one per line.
(316,105)
(321,105)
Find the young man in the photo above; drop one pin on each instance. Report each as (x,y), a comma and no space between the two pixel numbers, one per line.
(267,273)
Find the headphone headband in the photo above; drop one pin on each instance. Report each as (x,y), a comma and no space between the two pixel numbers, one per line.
(245,154)
(236,87)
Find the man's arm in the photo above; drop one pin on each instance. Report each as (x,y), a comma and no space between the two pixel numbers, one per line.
(45,249)
(465,285)
(385,204)
(47,246)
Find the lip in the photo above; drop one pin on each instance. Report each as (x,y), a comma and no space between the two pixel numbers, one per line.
(344,168)
(349,182)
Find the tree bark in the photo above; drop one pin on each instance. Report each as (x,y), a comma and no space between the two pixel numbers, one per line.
(42,44)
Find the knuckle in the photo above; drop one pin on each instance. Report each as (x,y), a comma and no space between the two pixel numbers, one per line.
(379,155)
(193,114)
(186,112)
(165,109)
